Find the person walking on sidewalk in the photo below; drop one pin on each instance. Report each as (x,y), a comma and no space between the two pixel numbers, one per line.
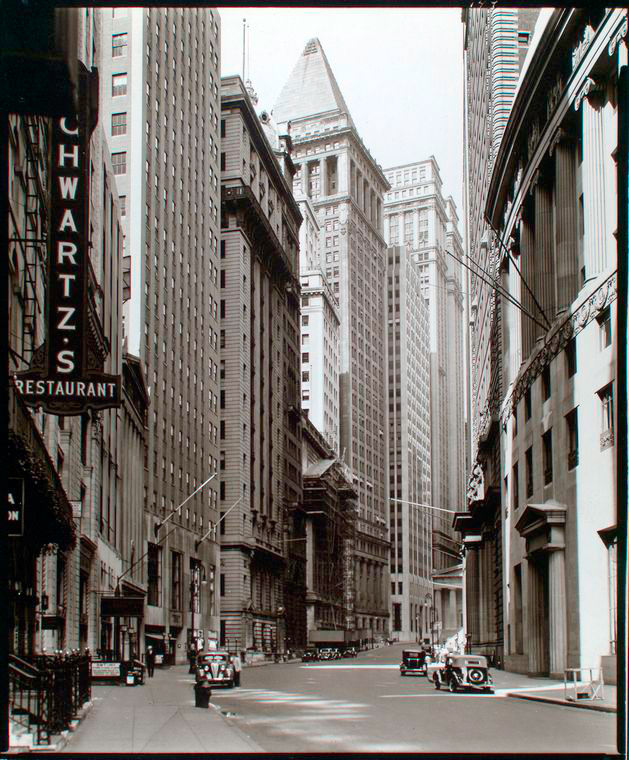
(235,659)
(150,661)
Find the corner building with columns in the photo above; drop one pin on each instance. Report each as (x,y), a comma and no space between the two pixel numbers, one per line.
(346,187)
(553,202)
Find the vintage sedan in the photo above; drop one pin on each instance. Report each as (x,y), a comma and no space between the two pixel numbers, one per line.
(413,662)
(464,672)
(310,655)
(215,668)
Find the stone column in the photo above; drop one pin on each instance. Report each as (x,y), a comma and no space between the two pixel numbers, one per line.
(416,228)
(305,176)
(323,178)
(593,187)
(309,555)
(544,280)
(557,612)
(527,270)
(535,616)
(452,616)
(566,222)
(471,587)
(342,173)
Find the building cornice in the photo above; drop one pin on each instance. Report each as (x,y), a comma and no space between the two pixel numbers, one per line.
(241,101)
(542,102)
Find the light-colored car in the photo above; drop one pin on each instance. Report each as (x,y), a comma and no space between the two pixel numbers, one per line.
(215,668)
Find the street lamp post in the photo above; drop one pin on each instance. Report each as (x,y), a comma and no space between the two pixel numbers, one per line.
(429,616)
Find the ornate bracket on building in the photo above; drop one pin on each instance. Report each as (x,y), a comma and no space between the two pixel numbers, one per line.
(557,339)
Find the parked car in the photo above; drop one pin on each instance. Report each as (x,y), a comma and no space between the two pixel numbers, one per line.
(350,652)
(413,662)
(309,655)
(464,672)
(215,668)
(329,653)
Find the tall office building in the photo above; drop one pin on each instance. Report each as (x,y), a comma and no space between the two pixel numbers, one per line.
(160,104)
(345,186)
(418,216)
(408,351)
(260,426)
(320,333)
(495,45)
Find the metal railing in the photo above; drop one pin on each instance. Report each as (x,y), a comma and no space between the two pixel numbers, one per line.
(46,692)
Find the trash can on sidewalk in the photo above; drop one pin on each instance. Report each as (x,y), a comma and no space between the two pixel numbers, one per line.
(202,694)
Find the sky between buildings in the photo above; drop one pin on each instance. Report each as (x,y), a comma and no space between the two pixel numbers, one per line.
(400,71)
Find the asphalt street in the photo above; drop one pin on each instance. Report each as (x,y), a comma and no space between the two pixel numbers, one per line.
(364,705)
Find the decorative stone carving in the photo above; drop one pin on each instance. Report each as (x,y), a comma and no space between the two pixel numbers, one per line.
(533,138)
(554,96)
(588,90)
(581,48)
(476,484)
(556,339)
(620,35)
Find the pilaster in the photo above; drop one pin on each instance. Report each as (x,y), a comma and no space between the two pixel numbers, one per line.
(567,274)
(593,185)
(557,612)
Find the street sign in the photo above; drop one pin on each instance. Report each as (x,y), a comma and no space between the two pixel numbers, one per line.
(16,507)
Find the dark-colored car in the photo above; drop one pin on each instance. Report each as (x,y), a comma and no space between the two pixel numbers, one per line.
(350,652)
(309,655)
(215,668)
(329,653)
(413,662)
(464,672)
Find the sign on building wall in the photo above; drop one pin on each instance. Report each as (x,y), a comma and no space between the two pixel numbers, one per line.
(66,374)
(15,520)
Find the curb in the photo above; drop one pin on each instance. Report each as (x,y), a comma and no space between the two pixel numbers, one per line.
(237,730)
(562,702)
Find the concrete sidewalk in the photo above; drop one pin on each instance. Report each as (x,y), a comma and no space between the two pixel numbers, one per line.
(551,691)
(156,718)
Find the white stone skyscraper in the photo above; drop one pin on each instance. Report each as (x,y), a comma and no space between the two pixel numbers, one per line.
(417,215)
(346,187)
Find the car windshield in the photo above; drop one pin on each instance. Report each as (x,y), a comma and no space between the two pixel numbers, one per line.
(213,658)
(412,654)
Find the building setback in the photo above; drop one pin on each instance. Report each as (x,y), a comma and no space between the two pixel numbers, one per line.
(408,351)
(260,427)
(345,185)
(320,333)
(553,203)
(160,106)
(496,42)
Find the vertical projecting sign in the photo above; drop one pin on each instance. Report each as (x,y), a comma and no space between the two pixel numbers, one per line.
(66,374)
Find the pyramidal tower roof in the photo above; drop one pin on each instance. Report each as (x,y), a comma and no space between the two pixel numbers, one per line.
(311,88)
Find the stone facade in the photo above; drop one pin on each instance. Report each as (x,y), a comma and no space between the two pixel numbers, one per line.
(556,214)
(260,428)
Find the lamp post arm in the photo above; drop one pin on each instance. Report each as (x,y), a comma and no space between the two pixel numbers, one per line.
(177,509)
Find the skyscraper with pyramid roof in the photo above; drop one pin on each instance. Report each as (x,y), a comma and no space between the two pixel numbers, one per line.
(346,187)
